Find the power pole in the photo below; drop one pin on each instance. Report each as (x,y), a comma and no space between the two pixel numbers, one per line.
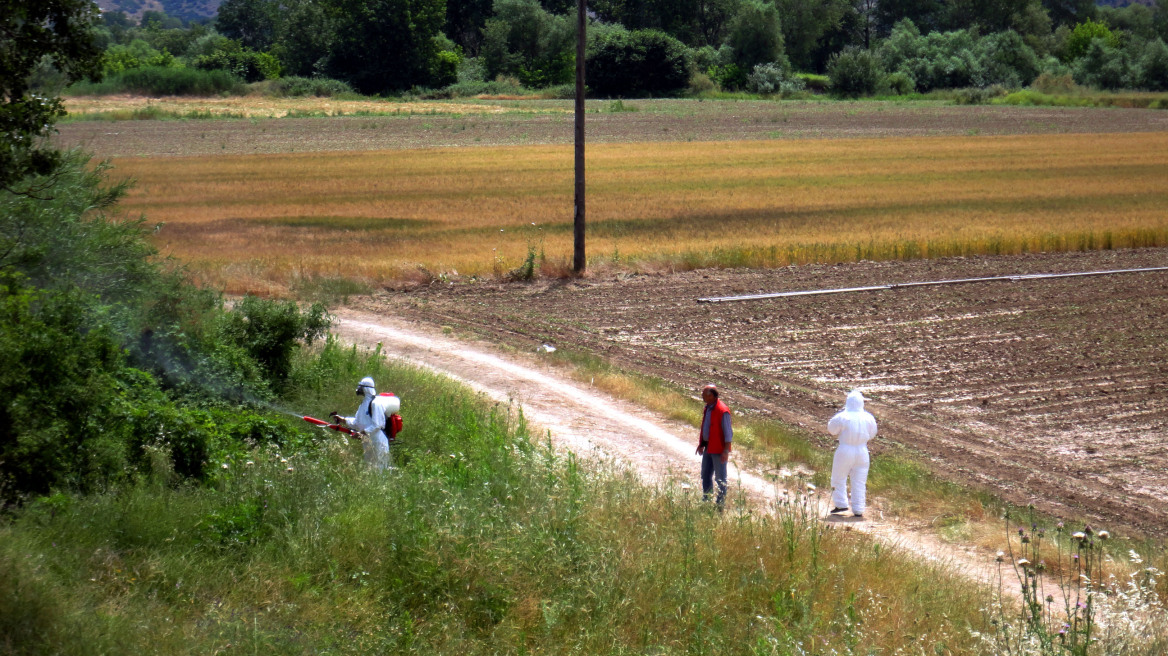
(578,229)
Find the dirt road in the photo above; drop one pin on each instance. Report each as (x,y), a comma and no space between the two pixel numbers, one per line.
(659,450)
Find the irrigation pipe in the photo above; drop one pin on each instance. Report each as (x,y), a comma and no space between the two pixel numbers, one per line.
(929,283)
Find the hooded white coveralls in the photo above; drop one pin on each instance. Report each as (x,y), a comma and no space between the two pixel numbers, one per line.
(854,426)
(370,419)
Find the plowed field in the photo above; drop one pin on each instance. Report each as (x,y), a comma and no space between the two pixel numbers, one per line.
(1051,392)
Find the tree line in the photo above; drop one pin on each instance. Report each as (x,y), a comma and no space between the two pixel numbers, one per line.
(659,47)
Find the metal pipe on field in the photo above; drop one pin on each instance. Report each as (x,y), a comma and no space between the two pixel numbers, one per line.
(929,283)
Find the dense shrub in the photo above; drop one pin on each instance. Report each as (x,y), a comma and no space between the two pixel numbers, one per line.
(157,81)
(296,86)
(1103,66)
(637,63)
(961,59)
(525,41)
(1006,60)
(773,78)
(755,36)
(1080,38)
(137,54)
(105,355)
(270,332)
(504,86)
(854,72)
(248,65)
(1151,68)
(899,83)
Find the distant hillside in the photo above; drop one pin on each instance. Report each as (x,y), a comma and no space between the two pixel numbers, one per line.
(1124,3)
(185,9)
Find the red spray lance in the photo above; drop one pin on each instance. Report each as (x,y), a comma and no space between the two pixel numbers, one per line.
(340,428)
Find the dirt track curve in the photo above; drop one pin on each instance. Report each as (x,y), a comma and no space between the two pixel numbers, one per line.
(661,451)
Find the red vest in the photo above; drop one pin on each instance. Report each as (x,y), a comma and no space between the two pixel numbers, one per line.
(715,443)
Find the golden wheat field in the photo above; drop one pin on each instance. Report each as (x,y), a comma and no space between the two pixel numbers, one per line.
(259,223)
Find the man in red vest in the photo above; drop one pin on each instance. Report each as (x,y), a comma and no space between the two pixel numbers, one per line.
(714,443)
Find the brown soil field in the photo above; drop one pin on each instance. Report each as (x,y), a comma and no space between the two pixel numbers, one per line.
(1051,392)
(493,123)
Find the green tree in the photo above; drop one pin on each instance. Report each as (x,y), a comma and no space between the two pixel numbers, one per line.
(304,37)
(384,45)
(1151,69)
(640,62)
(755,36)
(1081,37)
(526,41)
(854,72)
(465,20)
(62,31)
(1160,19)
(925,14)
(251,22)
(1070,12)
(807,25)
(1103,66)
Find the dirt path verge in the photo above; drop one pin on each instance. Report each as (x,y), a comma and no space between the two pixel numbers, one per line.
(661,451)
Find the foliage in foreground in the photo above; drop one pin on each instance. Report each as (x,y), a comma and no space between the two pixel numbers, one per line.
(106,355)
(481,541)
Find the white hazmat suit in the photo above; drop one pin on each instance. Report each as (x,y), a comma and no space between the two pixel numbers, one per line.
(371,418)
(854,426)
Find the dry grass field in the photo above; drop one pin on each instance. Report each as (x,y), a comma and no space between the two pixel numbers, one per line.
(115,108)
(260,223)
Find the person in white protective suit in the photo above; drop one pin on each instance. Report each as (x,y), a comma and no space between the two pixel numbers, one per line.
(854,426)
(371,419)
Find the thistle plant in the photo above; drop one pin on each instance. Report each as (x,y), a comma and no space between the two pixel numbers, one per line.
(1068,606)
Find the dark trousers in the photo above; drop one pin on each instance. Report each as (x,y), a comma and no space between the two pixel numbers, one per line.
(713,471)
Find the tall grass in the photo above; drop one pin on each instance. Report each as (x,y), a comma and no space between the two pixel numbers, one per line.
(482,541)
(162,81)
(262,220)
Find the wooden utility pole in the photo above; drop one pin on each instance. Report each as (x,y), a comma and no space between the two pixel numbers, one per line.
(581,42)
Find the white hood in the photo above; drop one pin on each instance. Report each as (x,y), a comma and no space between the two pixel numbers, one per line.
(855,402)
(366,385)
(853,425)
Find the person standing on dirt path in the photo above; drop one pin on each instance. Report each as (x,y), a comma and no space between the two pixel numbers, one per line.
(714,443)
(854,426)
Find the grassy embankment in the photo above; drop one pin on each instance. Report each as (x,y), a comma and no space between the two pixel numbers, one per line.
(483,541)
(268,223)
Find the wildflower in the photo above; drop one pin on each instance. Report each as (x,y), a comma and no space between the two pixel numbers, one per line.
(1079,535)
(249,463)
(1087,530)
(291,469)
(1025,539)
(1135,557)
(1001,556)
(811,487)
(1103,535)
(224,465)
(1022,562)
(1075,556)
(1060,526)
(1050,599)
